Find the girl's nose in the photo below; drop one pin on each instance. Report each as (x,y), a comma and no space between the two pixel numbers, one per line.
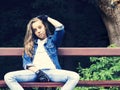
(39,31)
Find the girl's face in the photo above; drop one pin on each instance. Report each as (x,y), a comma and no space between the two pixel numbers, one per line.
(39,29)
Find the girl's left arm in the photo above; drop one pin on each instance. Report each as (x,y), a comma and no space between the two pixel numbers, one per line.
(59,31)
(54,22)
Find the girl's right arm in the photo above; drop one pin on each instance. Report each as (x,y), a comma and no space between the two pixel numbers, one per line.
(27,63)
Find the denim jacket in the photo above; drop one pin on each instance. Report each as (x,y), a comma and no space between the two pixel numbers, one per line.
(51,46)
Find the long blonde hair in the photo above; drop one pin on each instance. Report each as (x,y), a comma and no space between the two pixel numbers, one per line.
(30,36)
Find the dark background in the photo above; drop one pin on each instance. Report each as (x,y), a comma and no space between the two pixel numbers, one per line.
(83,25)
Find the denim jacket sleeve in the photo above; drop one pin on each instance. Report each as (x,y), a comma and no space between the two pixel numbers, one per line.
(27,61)
(58,35)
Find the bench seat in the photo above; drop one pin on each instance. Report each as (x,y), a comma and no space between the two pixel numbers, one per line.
(86,83)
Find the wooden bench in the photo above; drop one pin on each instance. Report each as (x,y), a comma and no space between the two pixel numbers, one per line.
(14,51)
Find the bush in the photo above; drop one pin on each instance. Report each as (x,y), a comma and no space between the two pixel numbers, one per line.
(102,68)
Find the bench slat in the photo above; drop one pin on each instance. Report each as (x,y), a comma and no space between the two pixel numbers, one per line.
(86,83)
(89,51)
(11,51)
(67,51)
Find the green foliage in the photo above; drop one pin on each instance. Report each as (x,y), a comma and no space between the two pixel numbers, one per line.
(102,68)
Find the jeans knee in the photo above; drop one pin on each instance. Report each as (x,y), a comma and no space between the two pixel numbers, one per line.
(76,76)
(7,76)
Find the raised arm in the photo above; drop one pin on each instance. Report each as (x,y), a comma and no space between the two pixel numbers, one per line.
(54,22)
(59,31)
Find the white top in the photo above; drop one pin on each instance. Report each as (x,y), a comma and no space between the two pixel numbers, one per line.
(42,59)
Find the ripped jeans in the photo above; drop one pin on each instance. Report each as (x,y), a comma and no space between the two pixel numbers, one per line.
(70,78)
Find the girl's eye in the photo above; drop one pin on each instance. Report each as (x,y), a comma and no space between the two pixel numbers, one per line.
(40,27)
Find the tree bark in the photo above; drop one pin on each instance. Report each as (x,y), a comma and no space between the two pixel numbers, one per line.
(111,17)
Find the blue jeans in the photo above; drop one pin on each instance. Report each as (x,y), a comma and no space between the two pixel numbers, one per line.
(70,78)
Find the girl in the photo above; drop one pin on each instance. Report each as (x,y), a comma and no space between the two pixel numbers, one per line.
(40,53)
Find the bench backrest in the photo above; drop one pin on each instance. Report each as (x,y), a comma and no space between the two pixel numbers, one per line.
(17,51)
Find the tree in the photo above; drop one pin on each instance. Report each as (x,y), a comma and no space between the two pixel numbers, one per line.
(110,11)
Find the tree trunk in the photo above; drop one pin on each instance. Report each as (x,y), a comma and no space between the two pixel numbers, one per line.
(111,18)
